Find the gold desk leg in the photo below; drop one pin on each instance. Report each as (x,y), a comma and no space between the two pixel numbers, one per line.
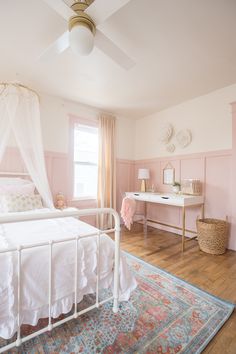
(183,228)
(145,220)
(202,211)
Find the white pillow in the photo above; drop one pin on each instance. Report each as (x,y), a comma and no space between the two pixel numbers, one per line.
(26,189)
(13,180)
(19,202)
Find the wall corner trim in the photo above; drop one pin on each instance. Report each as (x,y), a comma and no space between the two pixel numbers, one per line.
(233,105)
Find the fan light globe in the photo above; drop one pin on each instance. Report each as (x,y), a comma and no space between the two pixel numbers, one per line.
(81,40)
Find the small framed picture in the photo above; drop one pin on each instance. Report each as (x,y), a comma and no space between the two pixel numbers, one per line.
(168,175)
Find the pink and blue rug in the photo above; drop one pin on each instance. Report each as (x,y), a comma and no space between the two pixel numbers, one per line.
(164,315)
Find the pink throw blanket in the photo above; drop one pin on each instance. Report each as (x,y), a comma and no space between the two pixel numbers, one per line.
(127,211)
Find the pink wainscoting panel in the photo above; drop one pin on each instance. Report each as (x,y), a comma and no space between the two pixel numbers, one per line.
(60,179)
(217,191)
(48,163)
(59,182)
(155,179)
(137,183)
(12,161)
(191,215)
(163,213)
(85,204)
(193,168)
(124,180)
(214,171)
(57,170)
(233,193)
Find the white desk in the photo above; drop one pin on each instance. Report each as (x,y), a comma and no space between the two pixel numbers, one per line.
(178,200)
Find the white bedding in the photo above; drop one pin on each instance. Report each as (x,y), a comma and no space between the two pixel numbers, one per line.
(35,269)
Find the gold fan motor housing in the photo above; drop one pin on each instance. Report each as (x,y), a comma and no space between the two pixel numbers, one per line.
(81,18)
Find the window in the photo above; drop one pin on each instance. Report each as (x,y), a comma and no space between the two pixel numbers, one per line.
(85,161)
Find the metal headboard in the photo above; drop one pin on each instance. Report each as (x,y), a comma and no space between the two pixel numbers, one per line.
(17,174)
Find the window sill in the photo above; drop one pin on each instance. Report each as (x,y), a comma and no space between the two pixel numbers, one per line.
(83,199)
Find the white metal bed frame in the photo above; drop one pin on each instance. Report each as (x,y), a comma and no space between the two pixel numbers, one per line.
(58,214)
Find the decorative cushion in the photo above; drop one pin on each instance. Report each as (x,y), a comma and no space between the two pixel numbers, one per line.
(13,180)
(20,202)
(26,189)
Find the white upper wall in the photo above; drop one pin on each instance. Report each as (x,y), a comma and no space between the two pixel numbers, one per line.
(125,132)
(208,117)
(55,126)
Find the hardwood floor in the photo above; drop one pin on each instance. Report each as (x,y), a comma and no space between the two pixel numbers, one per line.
(215,274)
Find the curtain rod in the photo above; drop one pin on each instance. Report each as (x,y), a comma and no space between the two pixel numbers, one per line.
(19,85)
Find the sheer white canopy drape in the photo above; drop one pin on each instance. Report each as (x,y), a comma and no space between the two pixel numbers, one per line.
(19,114)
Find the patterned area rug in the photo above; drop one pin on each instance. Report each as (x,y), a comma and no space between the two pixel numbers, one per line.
(164,315)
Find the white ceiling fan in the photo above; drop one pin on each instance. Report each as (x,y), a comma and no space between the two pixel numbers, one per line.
(83,18)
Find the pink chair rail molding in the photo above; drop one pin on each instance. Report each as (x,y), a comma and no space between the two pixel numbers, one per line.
(214,169)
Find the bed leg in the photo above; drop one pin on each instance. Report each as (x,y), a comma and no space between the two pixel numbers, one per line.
(117,264)
(115,306)
(18,339)
(18,342)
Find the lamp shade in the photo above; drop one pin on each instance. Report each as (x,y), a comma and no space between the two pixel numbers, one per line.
(81,40)
(143,173)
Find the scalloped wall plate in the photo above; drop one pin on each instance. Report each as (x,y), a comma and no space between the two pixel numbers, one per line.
(184,137)
(166,133)
(170,148)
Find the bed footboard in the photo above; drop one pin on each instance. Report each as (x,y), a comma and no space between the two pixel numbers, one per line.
(59,214)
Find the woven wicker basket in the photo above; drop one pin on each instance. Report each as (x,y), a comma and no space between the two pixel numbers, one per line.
(212,235)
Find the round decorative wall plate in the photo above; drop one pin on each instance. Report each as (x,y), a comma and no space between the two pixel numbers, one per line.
(166,133)
(184,137)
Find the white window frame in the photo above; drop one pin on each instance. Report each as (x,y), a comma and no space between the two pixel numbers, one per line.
(73,122)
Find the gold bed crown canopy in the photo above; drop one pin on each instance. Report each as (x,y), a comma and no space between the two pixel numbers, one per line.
(17,84)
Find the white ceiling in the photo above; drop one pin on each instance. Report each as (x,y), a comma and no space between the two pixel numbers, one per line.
(183,49)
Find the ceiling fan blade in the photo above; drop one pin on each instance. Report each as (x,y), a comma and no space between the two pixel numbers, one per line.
(111,50)
(57,47)
(100,10)
(61,8)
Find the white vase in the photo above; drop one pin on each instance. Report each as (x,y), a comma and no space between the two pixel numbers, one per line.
(176,189)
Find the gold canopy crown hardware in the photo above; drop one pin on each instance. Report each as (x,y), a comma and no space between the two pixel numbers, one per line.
(15,84)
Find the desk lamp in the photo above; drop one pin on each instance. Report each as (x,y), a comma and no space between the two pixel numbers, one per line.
(143,174)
